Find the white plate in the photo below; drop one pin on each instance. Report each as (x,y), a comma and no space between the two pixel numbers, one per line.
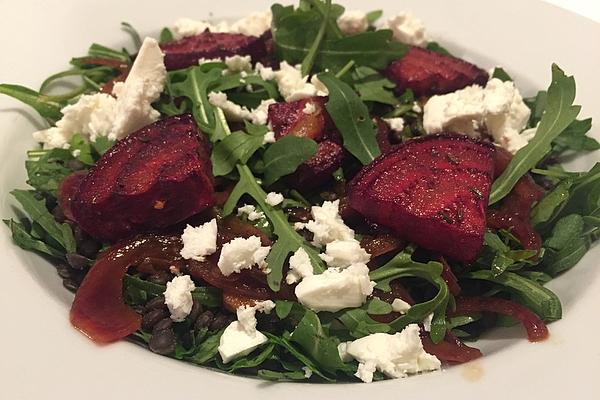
(43,357)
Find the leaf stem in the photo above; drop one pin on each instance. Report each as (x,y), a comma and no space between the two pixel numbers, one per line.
(345,69)
(309,60)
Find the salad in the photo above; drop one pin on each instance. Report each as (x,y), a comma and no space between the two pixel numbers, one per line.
(307,193)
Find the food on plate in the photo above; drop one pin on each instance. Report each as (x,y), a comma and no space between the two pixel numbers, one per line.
(307,193)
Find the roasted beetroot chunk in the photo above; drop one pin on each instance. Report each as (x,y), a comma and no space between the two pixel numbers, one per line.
(432,191)
(304,118)
(308,118)
(187,51)
(154,178)
(318,169)
(428,73)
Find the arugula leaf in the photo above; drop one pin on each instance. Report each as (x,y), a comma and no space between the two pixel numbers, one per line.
(208,350)
(45,106)
(295,31)
(165,36)
(206,295)
(352,119)
(574,138)
(37,211)
(285,155)
(372,86)
(84,149)
(234,148)
(438,48)
(540,299)
(501,74)
(252,361)
(281,376)
(47,169)
(314,340)
(401,266)
(135,36)
(24,239)
(310,57)
(102,144)
(288,240)
(546,208)
(100,51)
(559,113)
(566,245)
(373,16)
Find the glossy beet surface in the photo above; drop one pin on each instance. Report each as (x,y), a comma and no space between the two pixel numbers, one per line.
(432,191)
(187,51)
(154,178)
(427,73)
(308,118)
(98,309)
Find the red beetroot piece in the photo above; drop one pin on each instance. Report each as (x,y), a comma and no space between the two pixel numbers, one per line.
(427,73)
(98,309)
(154,178)
(187,51)
(432,191)
(291,119)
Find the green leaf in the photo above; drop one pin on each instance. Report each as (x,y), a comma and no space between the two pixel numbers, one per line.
(83,148)
(402,266)
(436,47)
(372,86)
(97,50)
(559,113)
(310,57)
(373,16)
(46,169)
(26,241)
(44,105)
(295,31)
(288,240)
(135,36)
(208,350)
(37,211)
(205,295)
(312,338)
(102,144)
(501,74)
(252,361)
(546,208)
(165,36)
(540,299)
(237,147)
(566,245)
(352,119)
(285,155)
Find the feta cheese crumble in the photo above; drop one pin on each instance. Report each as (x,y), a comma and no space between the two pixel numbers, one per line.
(300,267)
(395,124)
(242,253)
(269,138)
(309,108)
(400,306)
(260,114)
(250,212)
(336,288)
(200,241)
(238,64)
(178,297)
(274,199)
(427,322)
(343,253)
(235,112)
(407,29)
(144,84)
(327,224)
(292,85)
(353,22)
(100,114)
(240,338)
(498,107)
(396,355)
(254,24)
